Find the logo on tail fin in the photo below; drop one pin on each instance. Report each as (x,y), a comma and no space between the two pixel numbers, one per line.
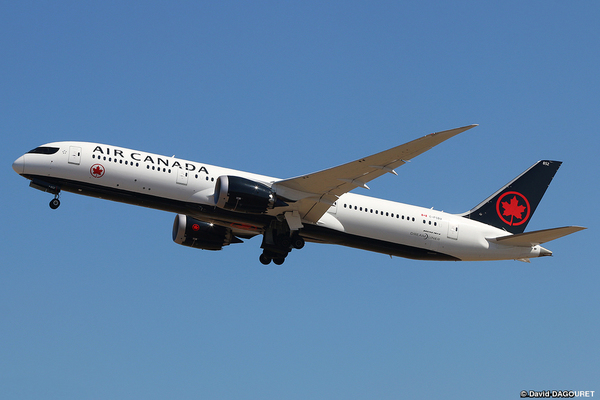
(515,208)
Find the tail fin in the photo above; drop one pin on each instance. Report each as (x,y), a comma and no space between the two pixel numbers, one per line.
(511,207)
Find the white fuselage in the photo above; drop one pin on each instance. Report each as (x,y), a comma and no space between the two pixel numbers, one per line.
(94,169)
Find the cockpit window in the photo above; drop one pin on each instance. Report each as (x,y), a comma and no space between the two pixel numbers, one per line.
(44,150)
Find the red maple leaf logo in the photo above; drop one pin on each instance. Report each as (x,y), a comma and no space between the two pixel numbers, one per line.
(513,209)
(97,171)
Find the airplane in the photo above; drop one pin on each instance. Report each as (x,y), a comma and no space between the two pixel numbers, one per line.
(217,206)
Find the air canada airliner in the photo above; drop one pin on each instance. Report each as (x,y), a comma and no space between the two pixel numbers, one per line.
(217,206)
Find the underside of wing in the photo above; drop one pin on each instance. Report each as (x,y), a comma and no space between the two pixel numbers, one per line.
(315,193)
(536,237)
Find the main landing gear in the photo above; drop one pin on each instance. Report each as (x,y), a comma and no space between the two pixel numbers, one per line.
(278,241)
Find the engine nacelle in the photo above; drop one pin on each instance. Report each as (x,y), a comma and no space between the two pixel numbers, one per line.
(190,232)
(243,195)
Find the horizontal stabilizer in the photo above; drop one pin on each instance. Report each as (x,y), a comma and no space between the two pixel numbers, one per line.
(536,237)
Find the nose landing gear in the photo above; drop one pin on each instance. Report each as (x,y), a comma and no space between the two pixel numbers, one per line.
(54,203)
(50,188)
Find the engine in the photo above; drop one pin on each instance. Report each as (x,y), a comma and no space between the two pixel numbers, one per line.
(190,232)
(243,195)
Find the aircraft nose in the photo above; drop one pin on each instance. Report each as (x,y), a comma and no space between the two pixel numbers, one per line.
(19,165)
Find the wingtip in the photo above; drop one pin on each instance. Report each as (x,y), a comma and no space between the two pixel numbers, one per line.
(465,128)
(453,132)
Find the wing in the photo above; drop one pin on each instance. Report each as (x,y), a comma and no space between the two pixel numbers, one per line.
(315,193)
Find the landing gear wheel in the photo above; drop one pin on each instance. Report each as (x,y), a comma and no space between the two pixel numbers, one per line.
(278,260)
(264,259)
(298,242)
(54,203)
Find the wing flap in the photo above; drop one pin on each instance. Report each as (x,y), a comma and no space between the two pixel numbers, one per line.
(535,238)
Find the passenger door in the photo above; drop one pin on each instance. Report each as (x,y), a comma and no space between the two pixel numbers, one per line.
(182,176)
(453,230)
(74,155)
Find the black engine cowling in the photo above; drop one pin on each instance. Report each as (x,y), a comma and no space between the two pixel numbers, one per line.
(190,232)
(243,195)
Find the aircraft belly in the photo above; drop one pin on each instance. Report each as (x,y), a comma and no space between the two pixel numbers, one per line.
(320,234)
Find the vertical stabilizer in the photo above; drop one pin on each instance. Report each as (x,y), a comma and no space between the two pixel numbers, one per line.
(511,207)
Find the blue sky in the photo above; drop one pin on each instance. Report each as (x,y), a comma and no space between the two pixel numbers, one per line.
(96,301)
